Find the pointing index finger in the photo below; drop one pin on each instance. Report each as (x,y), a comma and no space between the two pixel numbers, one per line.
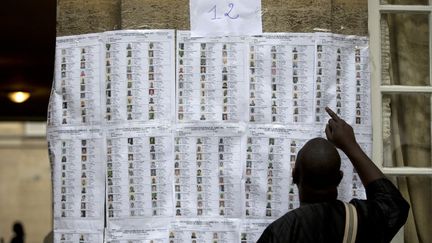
(332,114)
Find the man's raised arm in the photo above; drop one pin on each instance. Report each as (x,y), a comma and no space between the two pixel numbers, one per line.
(341,134)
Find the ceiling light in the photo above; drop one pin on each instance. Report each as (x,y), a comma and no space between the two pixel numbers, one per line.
(19,96)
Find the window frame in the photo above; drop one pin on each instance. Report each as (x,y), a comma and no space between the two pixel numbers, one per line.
(377,89)
(375,11)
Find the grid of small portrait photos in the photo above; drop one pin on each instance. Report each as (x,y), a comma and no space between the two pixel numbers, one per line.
(151,78)
(154,175)
(64,165)
(181,81)
(108,83)
(319,97)
(130,84)
(204,151)
(319,85)
(357,188)
(110,183)
(133,194)
(338,82)
(225,108)
(196,237)
(65,212)
(203,81)
(76,237)
(274,108)
(112,194)
(110,189)
(274,161)
(266,160)
(221,150)
(177,176)
(359,92)
(136,197)
(205,86)
(252,83)
(75,78)
(84,179)
(293,201)
(295,101)
(270,168)
(248,180)
(64,71)
(83,108)
(200,158)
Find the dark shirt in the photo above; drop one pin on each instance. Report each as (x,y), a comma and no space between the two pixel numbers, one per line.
(17,239)
(379,219)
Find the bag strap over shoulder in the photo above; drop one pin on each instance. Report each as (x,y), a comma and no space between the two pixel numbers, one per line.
(350,223)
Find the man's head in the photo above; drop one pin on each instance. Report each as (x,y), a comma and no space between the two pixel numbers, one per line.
(317,170)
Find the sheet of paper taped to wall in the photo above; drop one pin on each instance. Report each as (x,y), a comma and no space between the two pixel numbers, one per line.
(209,18)
(170,138)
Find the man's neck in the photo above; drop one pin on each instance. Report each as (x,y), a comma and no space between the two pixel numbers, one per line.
(309,195)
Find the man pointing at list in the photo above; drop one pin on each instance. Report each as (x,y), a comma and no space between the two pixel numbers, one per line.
(323,218)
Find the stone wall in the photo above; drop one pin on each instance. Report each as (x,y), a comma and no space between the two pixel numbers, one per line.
(85,16)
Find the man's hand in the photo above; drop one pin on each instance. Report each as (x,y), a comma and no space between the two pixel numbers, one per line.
(342,136)
(339,132)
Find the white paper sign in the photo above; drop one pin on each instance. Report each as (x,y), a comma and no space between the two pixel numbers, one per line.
(211,18)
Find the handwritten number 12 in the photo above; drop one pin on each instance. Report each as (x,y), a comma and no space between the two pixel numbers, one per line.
(227,14)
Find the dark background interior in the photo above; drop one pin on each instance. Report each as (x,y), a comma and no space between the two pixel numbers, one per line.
(27,48)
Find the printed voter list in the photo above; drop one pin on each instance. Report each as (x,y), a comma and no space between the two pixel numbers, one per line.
(158,136)
(209,18)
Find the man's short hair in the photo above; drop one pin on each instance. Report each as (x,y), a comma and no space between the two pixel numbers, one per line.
(318,165)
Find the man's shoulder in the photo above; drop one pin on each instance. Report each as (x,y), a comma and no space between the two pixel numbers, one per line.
(307,213)
(281,228)
(298,224)
(286,218)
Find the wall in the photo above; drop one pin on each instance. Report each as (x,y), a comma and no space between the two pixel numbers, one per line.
(25,183)
(84,16)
